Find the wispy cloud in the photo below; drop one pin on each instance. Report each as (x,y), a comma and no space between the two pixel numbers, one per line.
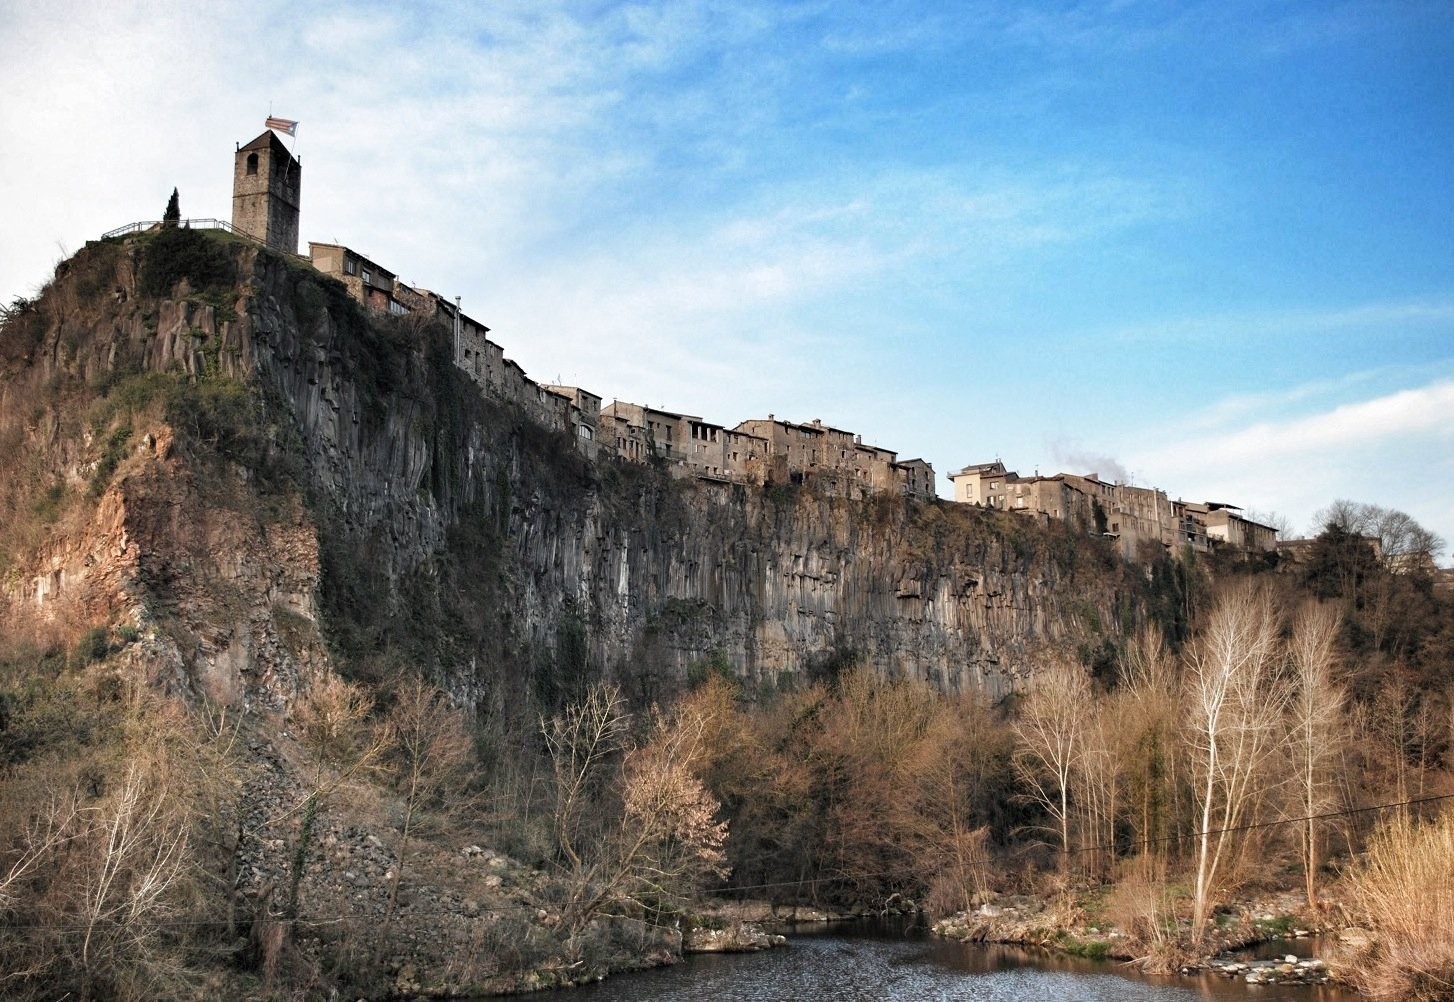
(1393,449)
(1419,411)
(1414,316)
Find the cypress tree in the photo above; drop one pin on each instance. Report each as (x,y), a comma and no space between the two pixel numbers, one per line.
(173,215)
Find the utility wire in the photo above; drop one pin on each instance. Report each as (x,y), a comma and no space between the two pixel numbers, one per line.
(1135,842)
(1264,824)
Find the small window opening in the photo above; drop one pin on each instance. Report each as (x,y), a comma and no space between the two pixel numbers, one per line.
(252,163)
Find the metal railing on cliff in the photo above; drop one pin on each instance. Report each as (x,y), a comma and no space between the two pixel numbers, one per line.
(192,224)
(144,225)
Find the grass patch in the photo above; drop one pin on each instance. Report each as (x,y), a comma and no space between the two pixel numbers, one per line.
(1088,949)
(111,457)
(1277,928)
(48,507)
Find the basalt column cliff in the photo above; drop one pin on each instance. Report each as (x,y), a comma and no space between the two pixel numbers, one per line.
(212,445)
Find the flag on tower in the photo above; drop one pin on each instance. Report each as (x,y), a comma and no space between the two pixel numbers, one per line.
(283,125)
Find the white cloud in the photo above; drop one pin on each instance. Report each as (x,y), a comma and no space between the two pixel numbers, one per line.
(1396,449)
(1415,412)
(1412,315)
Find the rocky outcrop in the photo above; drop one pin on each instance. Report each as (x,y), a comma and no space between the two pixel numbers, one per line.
(374,496)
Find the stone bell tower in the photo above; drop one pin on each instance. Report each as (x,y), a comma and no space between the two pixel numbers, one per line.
(266,183)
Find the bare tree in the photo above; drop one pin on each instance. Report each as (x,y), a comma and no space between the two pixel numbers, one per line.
(1272,519)
(582,740)
(1236,705)
(103,880)
(661,837)
(138,852)
(1403,543)
(670,840)
(940,820)
(429,746)
(1098,778)
(331,716)
(1318,726)
(1051,729)
(1392,718)
(1150,717)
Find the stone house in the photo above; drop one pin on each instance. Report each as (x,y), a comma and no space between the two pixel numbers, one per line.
(367,281)
(1188,529)
(689,445)
(915,477)
(266,183)
(1053,497)
(744,455)
(583,416)
(1136,517)
(642,433)
(839,461)
(791,448)
(874,468)
(757,451)
(982,484)
(1224,527)
(567,409)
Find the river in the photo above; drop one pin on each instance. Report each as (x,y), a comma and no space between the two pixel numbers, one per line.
(877,965)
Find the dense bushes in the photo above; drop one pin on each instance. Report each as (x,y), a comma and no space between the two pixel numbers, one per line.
(177,253)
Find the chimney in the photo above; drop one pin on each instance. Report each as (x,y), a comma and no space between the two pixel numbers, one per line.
(458,313)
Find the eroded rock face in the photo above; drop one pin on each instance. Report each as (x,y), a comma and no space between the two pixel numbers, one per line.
(413,511)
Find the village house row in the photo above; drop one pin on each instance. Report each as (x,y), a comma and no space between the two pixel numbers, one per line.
(1137,517)
(266,186)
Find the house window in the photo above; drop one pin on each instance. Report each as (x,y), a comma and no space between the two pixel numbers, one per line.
(397,308)
(350,266)
(251,164)
(368,278)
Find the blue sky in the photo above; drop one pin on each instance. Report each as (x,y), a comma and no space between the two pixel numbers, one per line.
(1203,246)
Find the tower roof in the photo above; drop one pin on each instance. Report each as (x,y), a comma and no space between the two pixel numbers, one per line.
(268,140)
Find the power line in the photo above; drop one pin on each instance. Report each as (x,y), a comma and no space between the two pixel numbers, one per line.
(1268,824)
(1415,802)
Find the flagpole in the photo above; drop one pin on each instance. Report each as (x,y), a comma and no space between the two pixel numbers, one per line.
(285,125)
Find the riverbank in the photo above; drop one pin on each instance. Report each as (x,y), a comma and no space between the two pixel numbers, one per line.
(1321,947)
(1078,926)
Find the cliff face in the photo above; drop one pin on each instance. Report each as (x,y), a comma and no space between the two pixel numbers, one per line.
(259,478)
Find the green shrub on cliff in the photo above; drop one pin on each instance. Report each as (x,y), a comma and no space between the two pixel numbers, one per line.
(175,254)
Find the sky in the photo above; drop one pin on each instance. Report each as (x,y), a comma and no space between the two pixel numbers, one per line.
(1206,247)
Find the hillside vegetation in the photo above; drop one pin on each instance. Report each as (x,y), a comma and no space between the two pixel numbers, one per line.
(319,669)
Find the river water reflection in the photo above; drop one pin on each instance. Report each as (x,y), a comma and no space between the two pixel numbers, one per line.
(875,965)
